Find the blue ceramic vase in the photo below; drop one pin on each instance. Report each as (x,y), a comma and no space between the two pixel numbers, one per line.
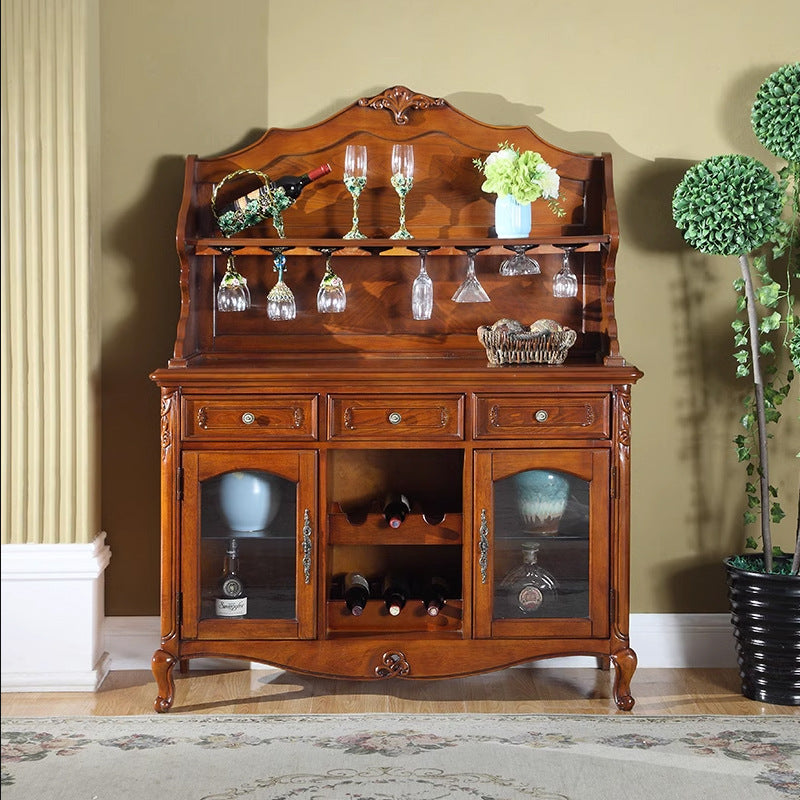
(512,220)
(248,499)
(542,497)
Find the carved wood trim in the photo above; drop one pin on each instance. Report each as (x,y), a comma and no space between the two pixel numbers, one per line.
(166,429)
(298,417)
(393,664)
(202,417)
(398,100)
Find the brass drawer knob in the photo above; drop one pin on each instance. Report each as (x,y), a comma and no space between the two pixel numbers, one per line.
(248,417)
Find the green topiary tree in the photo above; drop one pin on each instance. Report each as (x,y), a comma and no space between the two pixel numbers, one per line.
(732,205)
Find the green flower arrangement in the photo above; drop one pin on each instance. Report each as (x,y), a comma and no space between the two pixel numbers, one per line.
(526,176)
(732,205)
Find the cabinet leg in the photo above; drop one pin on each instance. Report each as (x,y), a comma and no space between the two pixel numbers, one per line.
(604,663)
(162,665)
(625,665)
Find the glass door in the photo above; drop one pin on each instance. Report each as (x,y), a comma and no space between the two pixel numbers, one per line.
(541,543)
(249,544)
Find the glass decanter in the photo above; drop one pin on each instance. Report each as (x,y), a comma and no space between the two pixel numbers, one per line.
(529,589)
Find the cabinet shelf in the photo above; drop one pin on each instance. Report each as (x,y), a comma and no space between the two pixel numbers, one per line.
(376,531)
(391,247)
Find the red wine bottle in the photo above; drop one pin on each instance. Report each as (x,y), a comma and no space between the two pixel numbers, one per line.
(396,509)
(395,594)
(356,593)
(292,186)
(435,596)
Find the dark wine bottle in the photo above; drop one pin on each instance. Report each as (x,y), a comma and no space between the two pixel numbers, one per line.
(395,509)
(356,593)
(395,594)
(435,596)
(231,601)
(292,186)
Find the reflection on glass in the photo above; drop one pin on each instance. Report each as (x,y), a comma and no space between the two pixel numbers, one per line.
(541,525)
(471,290)
(422,290)
(520,263)
(565,282)
(248,522)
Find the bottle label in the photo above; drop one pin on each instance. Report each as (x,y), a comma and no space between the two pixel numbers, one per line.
(231,606)
(232,587)
(530,598)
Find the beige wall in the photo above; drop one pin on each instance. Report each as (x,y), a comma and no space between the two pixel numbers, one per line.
(658,85)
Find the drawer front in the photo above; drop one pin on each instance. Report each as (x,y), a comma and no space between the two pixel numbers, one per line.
(250,418)
(542,416)
(396,417)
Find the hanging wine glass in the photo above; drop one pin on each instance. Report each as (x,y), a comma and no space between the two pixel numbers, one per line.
(520,263)
(280,300)
(471,290)
(233,294)
(565,282)
(422,289)
(355,179)
(402,181)
(331,297)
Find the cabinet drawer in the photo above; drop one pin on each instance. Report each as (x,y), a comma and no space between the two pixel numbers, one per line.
(542,416)
(396,417)
(250,418)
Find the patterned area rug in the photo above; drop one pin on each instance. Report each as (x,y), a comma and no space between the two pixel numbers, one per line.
(388,757)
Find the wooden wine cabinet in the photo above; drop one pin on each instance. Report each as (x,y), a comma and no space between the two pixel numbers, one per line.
(332,411)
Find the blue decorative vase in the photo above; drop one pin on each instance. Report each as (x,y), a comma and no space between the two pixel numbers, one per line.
(248,499)
(541,499)
(512,220)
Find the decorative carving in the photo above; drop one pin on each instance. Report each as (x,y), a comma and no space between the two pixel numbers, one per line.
(443,416)
(399,100)
(348,418)
(589,415)
(484,545)
(298,416)
(307,546)
(624,397)
(166,430)
(393,664)
(202,417)
(494,416)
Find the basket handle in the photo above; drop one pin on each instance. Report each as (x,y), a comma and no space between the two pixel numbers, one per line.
(238,173)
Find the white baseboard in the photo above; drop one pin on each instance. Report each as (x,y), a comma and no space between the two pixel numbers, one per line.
(660,640)
(53,616)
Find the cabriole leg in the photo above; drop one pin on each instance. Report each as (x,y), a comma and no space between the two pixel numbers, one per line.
(162,665)
(625,665)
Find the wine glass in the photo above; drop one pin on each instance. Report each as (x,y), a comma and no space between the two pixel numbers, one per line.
(280,300)
(422,289)
(355,179)
(520,263)
(331,297)
(565,282)
(233,294)
(402,180)
(471,290)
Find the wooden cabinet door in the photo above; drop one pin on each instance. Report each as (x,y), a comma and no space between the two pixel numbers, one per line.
(551,507)
(265,502)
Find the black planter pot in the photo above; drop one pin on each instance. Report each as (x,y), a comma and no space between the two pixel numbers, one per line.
(765,612)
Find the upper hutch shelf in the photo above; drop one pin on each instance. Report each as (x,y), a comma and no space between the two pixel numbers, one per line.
(447,213)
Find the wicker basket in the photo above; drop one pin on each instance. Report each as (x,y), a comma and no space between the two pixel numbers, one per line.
(524,346)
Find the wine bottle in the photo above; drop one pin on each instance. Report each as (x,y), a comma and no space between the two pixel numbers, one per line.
(395,594)
(396,509)
(356,593)
(435,596)
(232,601)
(292,186)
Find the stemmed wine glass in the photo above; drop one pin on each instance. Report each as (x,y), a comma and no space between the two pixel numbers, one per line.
(520,263)
(280,300)
(233,294)
(471,290)
(355,179)
(565,282)
(402,181)
(422,289)
(331,297)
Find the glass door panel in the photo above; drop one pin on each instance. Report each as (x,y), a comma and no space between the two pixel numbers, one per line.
(542,547)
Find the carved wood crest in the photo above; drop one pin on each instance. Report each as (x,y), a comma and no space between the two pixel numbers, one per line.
(399,100)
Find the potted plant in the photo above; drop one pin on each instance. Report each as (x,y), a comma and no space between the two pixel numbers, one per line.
(733,205)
